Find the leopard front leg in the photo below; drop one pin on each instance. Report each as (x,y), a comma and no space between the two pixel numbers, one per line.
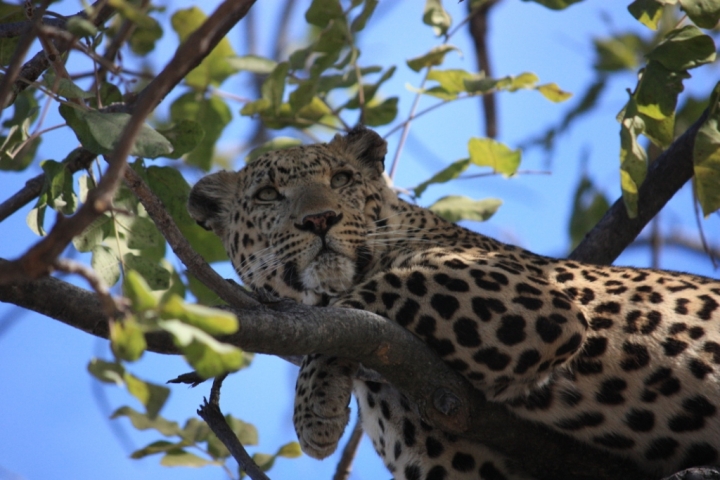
(322,396)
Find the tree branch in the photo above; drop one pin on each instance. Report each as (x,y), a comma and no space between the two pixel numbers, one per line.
(210,412)
(479,33)
(615,231)
(289,328)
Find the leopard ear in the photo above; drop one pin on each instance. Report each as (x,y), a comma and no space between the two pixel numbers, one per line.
(363,144)
(210,200)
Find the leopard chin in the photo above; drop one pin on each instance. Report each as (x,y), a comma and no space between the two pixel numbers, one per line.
(329,273)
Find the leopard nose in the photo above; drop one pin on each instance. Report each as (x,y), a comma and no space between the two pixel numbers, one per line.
(319,223)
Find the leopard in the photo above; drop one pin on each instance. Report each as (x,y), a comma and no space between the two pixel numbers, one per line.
(623,359)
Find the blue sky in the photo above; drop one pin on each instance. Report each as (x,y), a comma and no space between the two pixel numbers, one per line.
(54,416)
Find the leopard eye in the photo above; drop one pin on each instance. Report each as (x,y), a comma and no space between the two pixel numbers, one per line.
(267,194)
(340,179)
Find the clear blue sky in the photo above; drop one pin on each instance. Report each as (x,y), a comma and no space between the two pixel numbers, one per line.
(54,417)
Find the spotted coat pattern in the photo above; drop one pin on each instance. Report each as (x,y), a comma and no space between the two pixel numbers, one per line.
(623,359)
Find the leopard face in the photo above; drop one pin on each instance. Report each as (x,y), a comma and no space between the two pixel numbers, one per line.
(296,224)
(623,359)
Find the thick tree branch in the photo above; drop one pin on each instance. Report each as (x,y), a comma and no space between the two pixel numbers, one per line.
(479,33)
(289,328)
(615,231)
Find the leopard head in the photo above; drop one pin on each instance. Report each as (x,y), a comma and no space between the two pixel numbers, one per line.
(295,222)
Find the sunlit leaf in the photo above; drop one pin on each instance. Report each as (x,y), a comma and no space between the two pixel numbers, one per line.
(455,208)
(136,289)
(647,12)
(253,63)
(106,264)
(487,152)
(633,159)
(264,461)
(211,320)
(290,450)
(433,58)
(658,90)
(553,93)
(215,68)
(706,158)
(452,80)
(127,339)
(448,173)
(208,356)
(436,16)
(143,421)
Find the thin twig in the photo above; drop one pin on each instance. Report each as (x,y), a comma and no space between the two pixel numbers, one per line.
(344,466)
(210,412)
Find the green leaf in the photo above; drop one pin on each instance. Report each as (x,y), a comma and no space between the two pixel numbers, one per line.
(704,13)
(36,220)
(246,432)
(264,461)
(140,233)
(684,48)
(212,114)
(321,12)
(195,431)
(169,184)
(64,86)
(273,87)
(207,356)
(589,206)
(107,372)
(16,150)
(450,172)
(152,396)
(131,12)
(106,264)
(381,114)
(253,63)
(127,339)
(433,58)
(452,80)
(215,68)
(486,152)
(211,320)
(138,291)
(303,94)
(57,191)
(93,235)
(555,4)
(524,80)
(455,208)
(142,421)
(142,40)
(161,446)
(647,12)
(156,276)
(359,23)
(290,450)
(633,159)
(181,458)
(706,158)
(202,294)
(184,136)
(277,143)
(436,16)
(658,90)
(553,93)
(345,80)
(100,132)
(617,53)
